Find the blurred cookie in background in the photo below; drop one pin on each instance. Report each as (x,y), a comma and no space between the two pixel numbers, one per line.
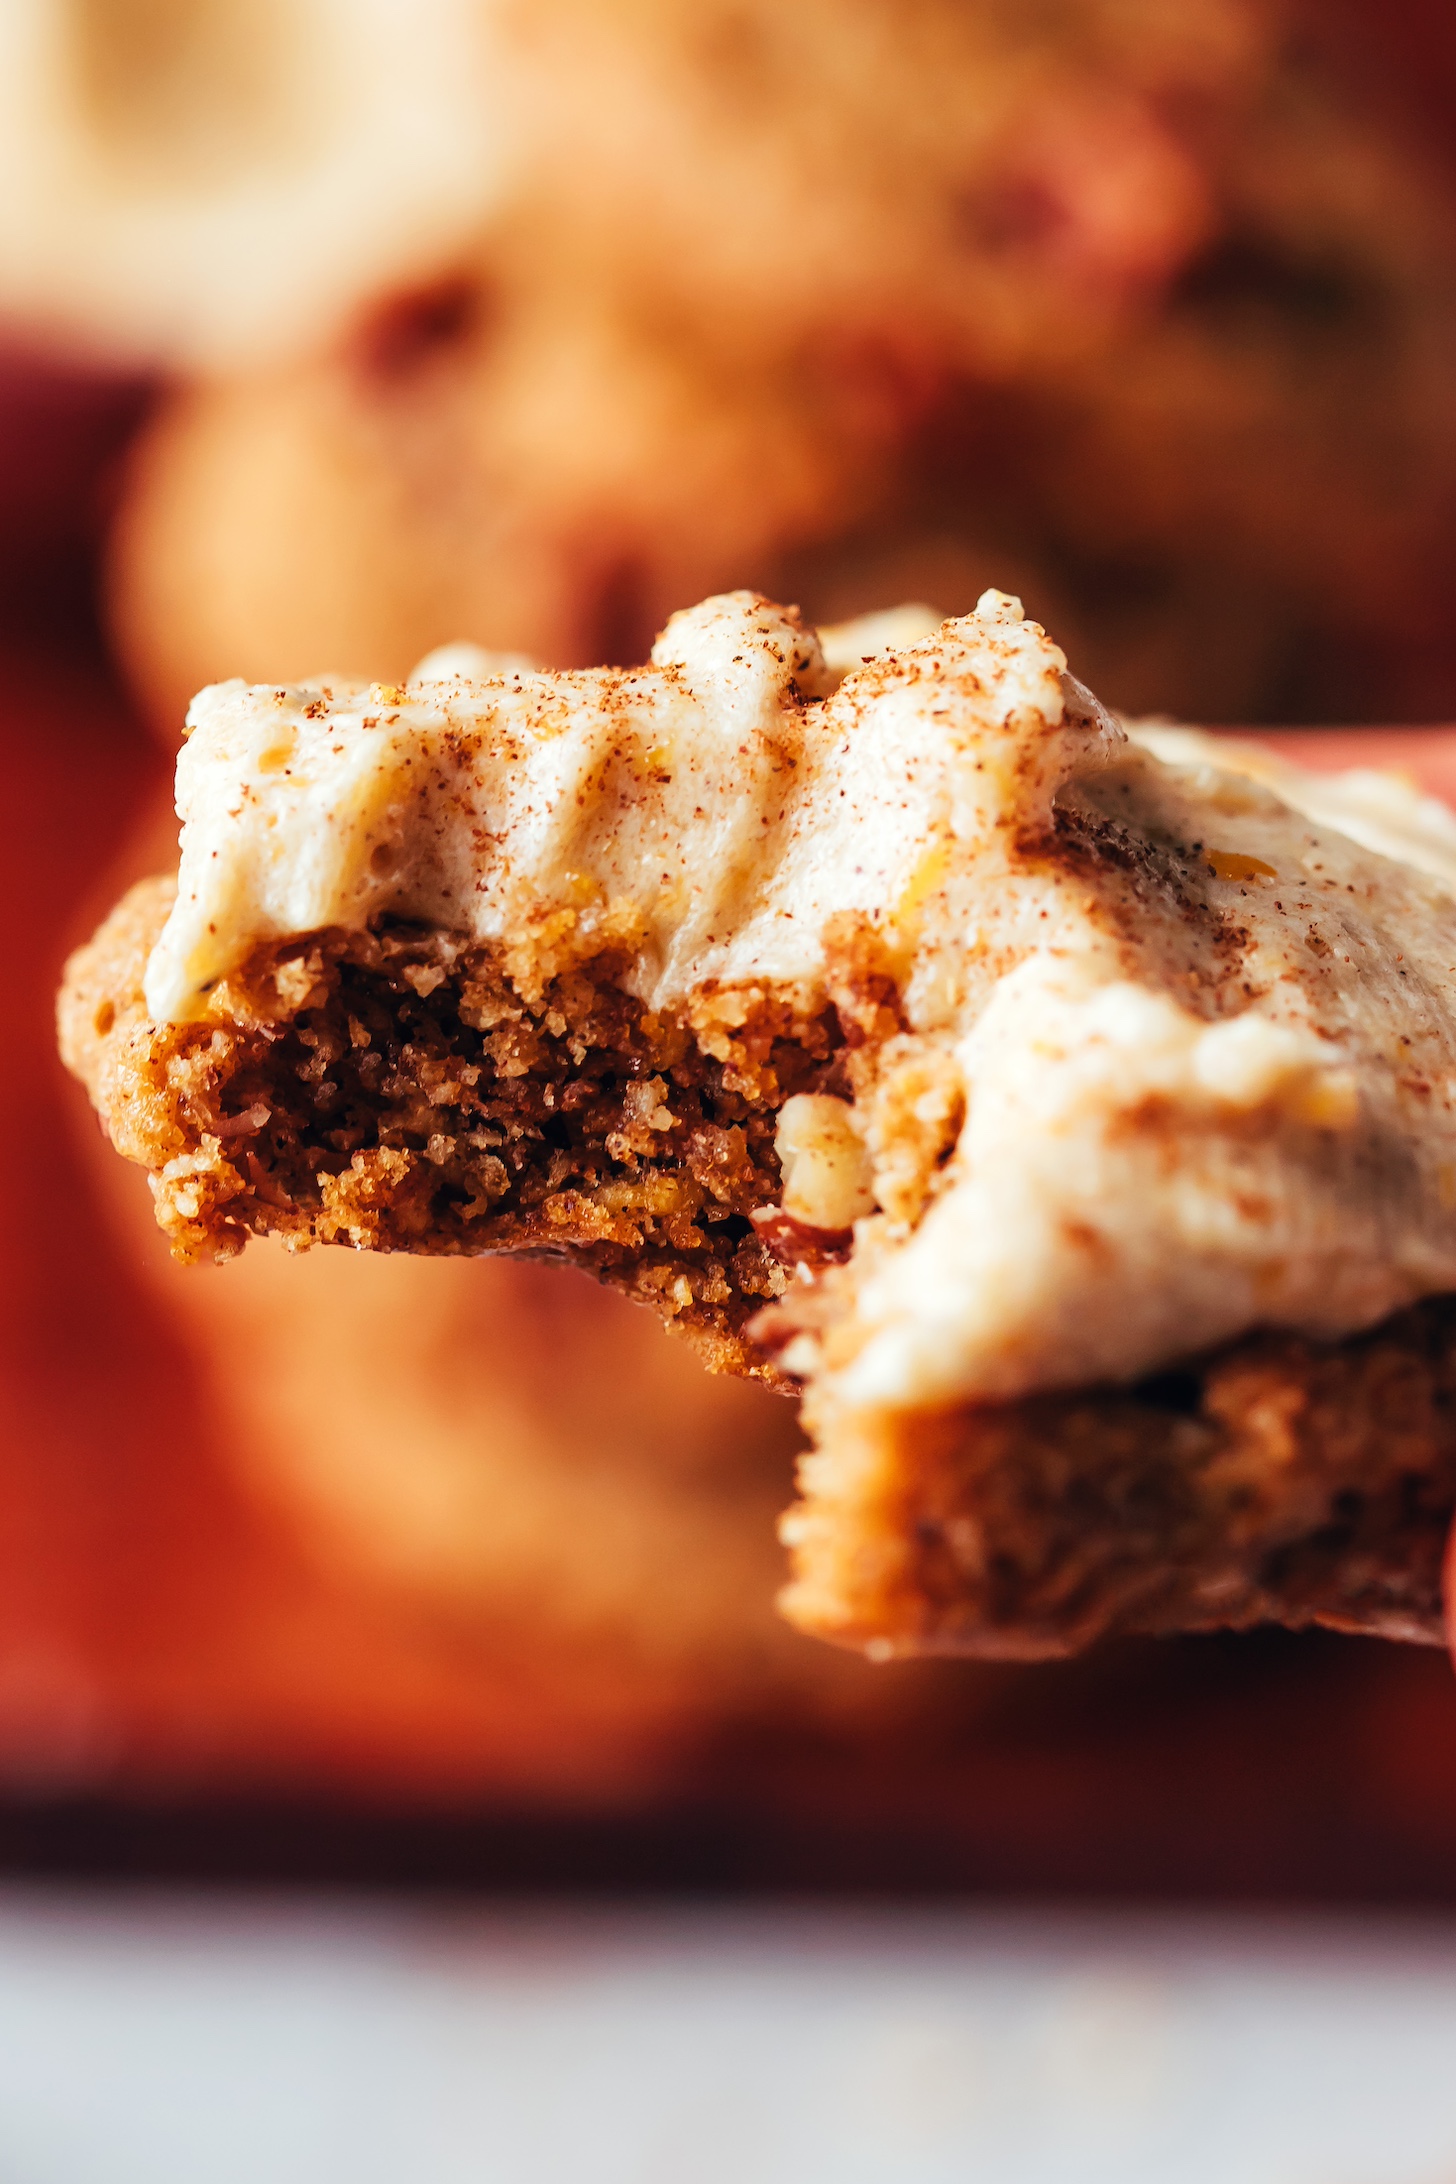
(192,183)
(1145,312)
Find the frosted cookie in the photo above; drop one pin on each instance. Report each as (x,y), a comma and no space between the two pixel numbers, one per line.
(913,1034)
(199,185)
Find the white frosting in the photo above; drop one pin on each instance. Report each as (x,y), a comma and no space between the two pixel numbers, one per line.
(1205,1092)
(728,819)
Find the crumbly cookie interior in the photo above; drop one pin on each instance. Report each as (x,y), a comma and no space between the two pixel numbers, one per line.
(398,1089)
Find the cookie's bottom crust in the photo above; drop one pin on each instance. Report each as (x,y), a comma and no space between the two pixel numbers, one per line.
(1279,1480)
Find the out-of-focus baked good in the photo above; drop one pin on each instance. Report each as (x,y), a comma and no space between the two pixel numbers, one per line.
(1081,1102)
(524,1470)
(1139,310)
(204,183)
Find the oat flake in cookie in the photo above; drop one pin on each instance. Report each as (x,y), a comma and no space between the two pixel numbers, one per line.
(1067,1111)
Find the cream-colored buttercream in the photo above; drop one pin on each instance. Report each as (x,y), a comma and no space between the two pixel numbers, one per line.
(1208,1062)
(698,795)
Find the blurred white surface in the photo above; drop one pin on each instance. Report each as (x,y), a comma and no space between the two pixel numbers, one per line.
(152,2038)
